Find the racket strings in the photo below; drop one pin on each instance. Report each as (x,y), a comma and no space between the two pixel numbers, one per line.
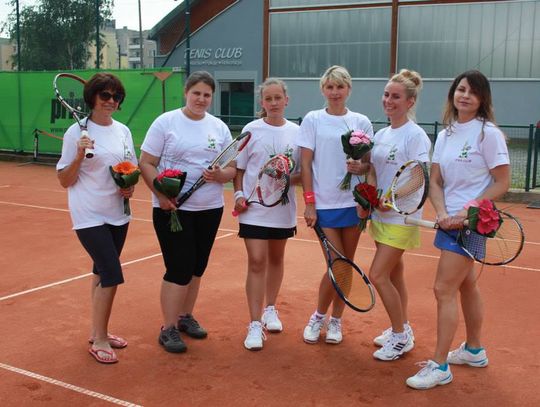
(501,249)
(273,182)
(228,155)
(409,190)
(72,92)
(349,281)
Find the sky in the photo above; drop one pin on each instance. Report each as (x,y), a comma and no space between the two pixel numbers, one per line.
(126,12)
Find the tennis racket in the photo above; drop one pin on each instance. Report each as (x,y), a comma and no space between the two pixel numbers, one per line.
(350,282)
(501,249)
(222,160)
(409,188)
(272,184)
(69,91)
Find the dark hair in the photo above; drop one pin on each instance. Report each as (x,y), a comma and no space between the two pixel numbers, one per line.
(100,82)
(480,86)
(200,76)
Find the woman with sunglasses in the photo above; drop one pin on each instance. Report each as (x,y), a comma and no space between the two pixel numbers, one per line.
(96,203)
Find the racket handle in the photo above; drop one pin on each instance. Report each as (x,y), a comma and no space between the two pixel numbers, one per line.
(235,213)
(421,222)
(88,152)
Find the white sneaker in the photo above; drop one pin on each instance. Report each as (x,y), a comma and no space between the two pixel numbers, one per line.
(382,338)
(333,331)
(429,376)
(255,336)
(393,348)
(462,356)
(313,329)
(270,319)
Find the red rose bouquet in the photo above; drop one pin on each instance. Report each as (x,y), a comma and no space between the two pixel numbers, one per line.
(367,196)
(356,144)
(169,183)
(483,217)
(125,174)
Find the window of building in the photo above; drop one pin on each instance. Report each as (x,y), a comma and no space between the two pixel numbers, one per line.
(501,39)
(304,44)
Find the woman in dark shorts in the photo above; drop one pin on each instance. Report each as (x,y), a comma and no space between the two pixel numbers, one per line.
(265,230)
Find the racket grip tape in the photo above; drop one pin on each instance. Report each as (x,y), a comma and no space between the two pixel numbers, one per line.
(421,222)
(88,152)
(235,213)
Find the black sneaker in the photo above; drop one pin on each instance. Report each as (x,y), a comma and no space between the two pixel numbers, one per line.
(191,327)
(170,339)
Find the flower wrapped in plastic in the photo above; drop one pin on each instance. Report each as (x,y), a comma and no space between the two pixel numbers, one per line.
(483,217)
(169,183)
(356,143)
(367,196)
(125,174)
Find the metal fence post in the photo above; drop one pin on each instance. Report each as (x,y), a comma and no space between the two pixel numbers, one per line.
(535,159)
(529,158)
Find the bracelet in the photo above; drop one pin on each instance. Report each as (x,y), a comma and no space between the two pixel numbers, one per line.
(238,194)
(309,197)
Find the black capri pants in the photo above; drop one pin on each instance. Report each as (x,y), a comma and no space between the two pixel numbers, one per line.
(104,245)
(186,253)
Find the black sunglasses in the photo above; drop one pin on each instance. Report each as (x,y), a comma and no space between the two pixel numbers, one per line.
(117,97)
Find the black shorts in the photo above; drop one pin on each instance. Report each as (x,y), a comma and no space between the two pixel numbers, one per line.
(265,233)
(104,245)
(186,253)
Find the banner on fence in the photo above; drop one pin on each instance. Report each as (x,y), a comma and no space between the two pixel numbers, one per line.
(28,102)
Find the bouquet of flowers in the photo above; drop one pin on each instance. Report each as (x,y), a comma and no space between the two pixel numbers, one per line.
(356,144)
(483,217)
(169,183)
(125,174)
(367,196)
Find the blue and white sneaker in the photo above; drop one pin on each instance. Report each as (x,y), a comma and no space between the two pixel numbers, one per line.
(430,376)
(462,356)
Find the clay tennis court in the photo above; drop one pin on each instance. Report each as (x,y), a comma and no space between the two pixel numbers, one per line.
(45,319)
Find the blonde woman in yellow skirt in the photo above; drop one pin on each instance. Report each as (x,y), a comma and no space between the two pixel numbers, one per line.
(402,141)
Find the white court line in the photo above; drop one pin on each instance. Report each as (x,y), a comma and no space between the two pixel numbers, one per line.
(68,280)
(68,386)
(34,206)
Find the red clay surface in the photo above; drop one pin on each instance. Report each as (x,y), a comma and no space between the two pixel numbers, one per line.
(44,332)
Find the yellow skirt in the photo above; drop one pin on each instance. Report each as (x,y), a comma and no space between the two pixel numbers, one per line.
(398,236)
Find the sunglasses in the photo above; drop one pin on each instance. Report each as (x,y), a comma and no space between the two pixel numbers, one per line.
(105,96)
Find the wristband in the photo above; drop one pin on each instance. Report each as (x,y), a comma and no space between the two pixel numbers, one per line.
(238,194)
(309,197)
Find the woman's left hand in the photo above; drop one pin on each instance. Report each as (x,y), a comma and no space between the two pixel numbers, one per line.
(127,192)
(216,174)
(357,167)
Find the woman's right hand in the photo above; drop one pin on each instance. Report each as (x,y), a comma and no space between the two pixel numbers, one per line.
(82,144)
(167,204)
(310,215)
(240,205)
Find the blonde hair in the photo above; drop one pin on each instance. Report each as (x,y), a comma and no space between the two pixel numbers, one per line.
(268,82)
(337,74)
(412,82)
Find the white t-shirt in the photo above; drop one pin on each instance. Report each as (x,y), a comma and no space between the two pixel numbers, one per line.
(394,147)
(321,132)
(267,141)
(190,146)
(465,155)
(94,199)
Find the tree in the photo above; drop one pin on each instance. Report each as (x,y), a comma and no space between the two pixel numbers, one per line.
(56,34)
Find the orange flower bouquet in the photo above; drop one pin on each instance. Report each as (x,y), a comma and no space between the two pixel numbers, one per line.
(125,174)
(170,182)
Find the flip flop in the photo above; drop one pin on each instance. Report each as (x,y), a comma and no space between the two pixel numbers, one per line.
(116,342)
(97,354)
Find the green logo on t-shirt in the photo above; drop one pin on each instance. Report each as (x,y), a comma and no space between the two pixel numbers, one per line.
(392,153)
(211,142)
(465,150)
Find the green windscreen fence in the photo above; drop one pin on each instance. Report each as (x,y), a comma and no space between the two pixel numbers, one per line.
(27,103)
